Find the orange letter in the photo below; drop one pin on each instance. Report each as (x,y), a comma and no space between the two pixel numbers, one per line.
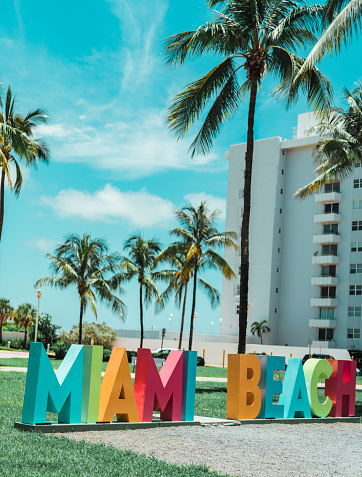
(243,394)
(117,396)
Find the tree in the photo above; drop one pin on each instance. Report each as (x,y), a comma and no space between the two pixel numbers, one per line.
(260,37)
(24,316)
(198,237)
(102,335)
(6,312)
(179,281)
(85,263)
(260,329)
(47,331)
(141,264)
(340,20)
(17,144)
(337,154)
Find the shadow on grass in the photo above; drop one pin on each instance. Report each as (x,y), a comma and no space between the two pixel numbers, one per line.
(210,390)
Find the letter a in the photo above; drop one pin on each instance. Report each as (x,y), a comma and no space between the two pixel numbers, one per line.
(117,396)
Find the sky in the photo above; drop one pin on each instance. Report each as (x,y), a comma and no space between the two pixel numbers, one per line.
(97,67)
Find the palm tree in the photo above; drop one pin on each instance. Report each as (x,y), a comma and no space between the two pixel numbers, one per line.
(17,143)
(6,312)
(258,36)
(141,264)
(337,155)
(259,329)
(24,316)
(340,20)
(179,281)
(198,236)
(85,263)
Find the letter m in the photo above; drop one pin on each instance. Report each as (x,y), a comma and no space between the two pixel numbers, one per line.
(47,390)
(158,391)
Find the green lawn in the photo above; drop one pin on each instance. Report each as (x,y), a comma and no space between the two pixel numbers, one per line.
(33,454)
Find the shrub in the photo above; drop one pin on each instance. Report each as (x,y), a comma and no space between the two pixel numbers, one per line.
(102,335)
(130,355)
(47,331)
(60,349)
(16,344)
(200,361)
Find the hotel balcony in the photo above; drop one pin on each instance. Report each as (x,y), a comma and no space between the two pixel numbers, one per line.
(326,197)
(323,344)
(327,218)
(326,238)
(318,323)
(325,260)
(324,281)
(323,302)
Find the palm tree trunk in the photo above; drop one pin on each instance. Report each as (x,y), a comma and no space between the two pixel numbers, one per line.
(244,266)
(2,197)
(182,319)
(193,308)
(261,338)
(141,316)
(80,321)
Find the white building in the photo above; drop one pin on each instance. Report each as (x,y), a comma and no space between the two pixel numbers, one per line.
(305,256)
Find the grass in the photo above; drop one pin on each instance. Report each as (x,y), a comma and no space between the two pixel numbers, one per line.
(33,454)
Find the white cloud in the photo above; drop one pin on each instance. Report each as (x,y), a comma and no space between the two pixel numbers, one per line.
(137,148)
(213,202)
(140,208)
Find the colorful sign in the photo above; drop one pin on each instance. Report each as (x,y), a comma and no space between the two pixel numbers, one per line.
(78,394)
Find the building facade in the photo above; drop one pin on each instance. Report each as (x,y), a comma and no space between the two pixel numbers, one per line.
(305,256)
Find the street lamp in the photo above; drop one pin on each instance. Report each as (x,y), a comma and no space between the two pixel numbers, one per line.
(170,320)
(38,294)
(212,326)
(220,325)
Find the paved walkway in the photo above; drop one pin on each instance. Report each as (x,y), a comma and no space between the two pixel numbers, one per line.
(13,354)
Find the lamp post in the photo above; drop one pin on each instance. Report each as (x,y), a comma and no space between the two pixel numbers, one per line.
(212,327)
(38,294)
(220,326)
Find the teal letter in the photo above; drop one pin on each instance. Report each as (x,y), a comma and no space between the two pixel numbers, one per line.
(188,385)
(273,410)
(295,397)
(47,390)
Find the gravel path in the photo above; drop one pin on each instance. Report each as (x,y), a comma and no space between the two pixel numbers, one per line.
(305,450)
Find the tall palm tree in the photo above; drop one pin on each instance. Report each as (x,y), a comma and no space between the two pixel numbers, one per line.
(341,148)
(180,278)
(6,312)
(24,316)
(260,329)
(141,264)
(199,236)
(17,145)
(85,263)
(260,37)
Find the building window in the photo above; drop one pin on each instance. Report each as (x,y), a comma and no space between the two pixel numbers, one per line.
(278,250)
(280,231)
(354,311)
(329,249)
(240,212)
(357,204)
(331,208)
(326,313)
(282,171)
(356,247)
(280,211)
(277,290)
(275,310)
(332,187)
(237,309)
(325,334)
(355,289)
(328,271)
(358,164)
(357,225)
(357,183)
(277,270)
(241,193)
(353,333)
(237,290)
(281,191)
(328,292)
(355,268)
(330,229)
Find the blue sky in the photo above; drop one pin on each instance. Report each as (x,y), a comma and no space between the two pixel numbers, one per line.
(97,68)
